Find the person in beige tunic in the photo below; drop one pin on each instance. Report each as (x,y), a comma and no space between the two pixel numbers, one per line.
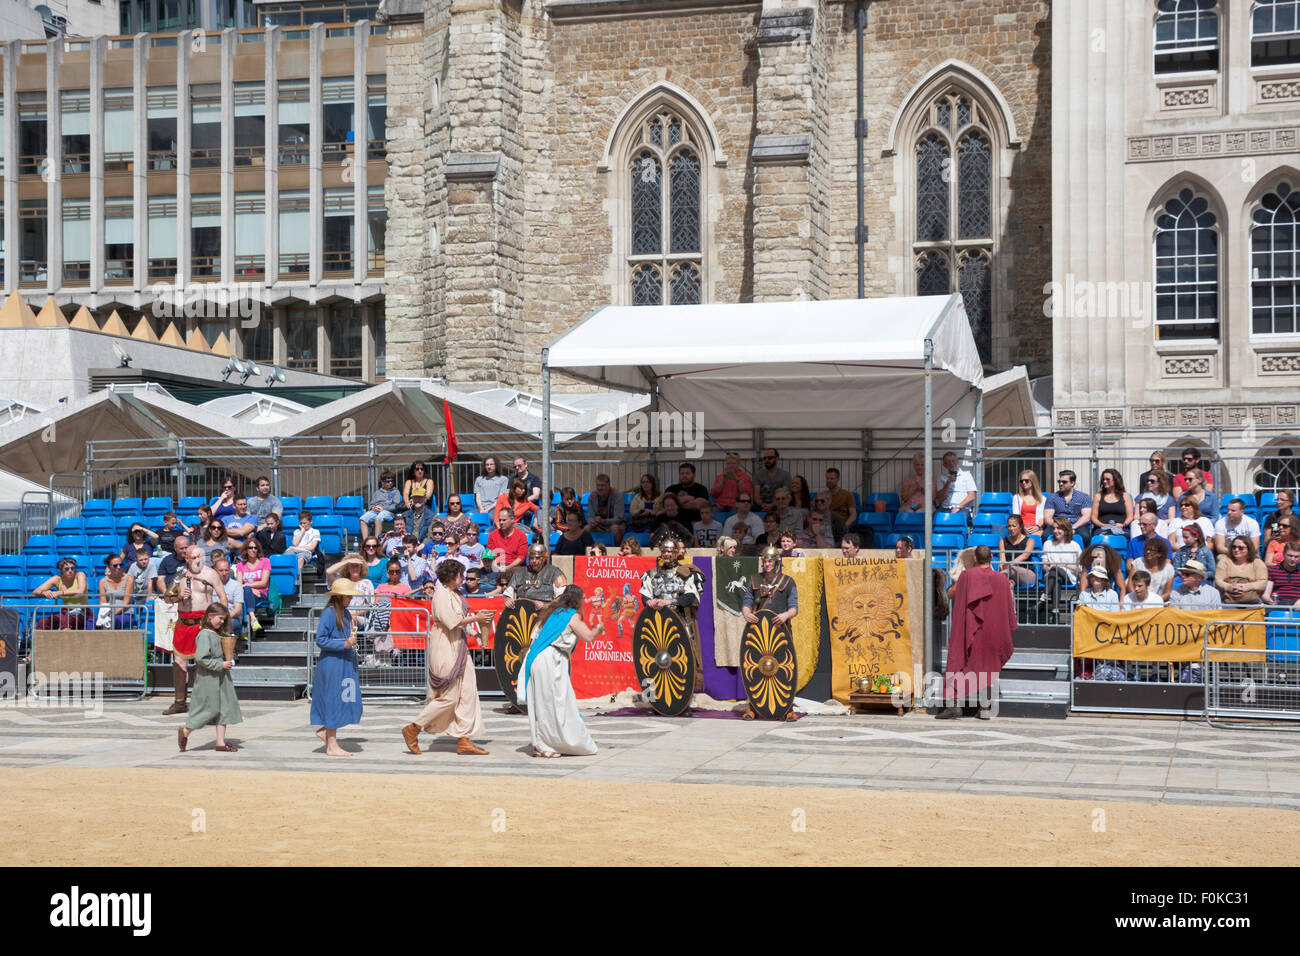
(453,707)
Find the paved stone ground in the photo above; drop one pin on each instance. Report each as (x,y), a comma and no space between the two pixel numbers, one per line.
(1082,757)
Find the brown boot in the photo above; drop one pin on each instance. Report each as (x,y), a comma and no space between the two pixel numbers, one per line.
(411,734)
(465,746)
(180,678)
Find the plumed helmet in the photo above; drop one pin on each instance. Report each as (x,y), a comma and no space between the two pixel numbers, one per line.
(771,553)
(668,544)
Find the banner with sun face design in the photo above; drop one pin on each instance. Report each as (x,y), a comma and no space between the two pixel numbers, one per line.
(866,604)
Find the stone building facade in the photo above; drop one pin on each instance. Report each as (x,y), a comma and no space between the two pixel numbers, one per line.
(548,158)
(1176,305)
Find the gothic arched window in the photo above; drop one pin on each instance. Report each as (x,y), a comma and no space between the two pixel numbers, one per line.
(1187,268)
(953,247)
(665,256)
(1275,263)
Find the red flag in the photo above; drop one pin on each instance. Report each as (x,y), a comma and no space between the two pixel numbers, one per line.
(452,447)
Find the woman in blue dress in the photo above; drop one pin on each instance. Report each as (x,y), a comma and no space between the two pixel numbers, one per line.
(336,688)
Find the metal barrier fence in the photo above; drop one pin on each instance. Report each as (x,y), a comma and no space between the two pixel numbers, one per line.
(383,669)
(1265,687)
(51,614)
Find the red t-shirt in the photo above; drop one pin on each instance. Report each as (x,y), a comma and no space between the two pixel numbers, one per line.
(508,550)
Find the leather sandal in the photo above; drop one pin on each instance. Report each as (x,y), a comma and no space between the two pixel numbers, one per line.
(227,748)
(411,734)
(182,738)
(467,747)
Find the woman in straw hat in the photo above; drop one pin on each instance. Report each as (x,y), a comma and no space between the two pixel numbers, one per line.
(336,688)
(213,700)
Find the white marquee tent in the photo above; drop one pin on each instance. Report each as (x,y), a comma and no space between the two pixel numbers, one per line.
(846,363)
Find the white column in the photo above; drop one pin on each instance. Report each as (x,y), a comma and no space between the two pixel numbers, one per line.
(54,148)
(139,167)
(227,157)
(183,199)
(98,47)
(316,158)
(361,124)
(271,136)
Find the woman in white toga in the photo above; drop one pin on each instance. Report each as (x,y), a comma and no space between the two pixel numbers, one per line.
(544,684)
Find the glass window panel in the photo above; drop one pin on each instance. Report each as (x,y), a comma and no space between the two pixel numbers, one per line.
(974,187)
(647,208)
(647,286)
(932,172)
(686,284)
(684,215)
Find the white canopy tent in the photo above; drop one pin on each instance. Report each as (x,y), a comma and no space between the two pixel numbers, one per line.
(846,363)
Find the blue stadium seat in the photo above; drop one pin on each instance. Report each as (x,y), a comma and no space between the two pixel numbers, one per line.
(331,532)
(73,544)
(157,506)
(36,580)
(39,544)
(483,520)
(642,537)
(627,500)
(604,537)
(949,542)
(68,526)
(102,546)
(982,524)
(190,504)
(1268,502)
(13,564)
(99,524)
(350,508)
(96,506)
(1249,501)
(1116,541)
(555,539)
(1282,634)
(284,573)
(949,522)
(995,502)
(888,497)
(483,537)
(880,522)
(586,495)
(127,506)
(857,502)
(291,503)
(12,585)
(992,540)
(319,505)
(909,522)
(42,564)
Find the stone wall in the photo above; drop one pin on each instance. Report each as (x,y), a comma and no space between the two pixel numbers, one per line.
(532,219)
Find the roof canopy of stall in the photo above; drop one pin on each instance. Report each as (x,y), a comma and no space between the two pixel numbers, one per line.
(841,363)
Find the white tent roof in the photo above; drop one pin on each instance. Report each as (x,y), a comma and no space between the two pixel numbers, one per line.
(841,363)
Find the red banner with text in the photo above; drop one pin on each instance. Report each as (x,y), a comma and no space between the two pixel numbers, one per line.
(612,586)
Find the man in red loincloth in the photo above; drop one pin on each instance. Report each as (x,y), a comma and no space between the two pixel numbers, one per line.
(979,642)
(197,587)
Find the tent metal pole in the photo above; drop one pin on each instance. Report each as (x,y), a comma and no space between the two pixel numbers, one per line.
(979,448)
(545,501)
(860,134)
(931,658)
(651,440)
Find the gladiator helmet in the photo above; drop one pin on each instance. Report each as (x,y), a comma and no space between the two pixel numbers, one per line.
(537,553)
(667,552)
(770,553)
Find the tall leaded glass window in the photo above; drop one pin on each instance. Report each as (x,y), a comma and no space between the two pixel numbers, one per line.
(665,260)
(1187,268)
(953,246)
(1275,263)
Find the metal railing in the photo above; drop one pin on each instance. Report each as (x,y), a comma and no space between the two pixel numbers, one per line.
(383,669)
(1263,686)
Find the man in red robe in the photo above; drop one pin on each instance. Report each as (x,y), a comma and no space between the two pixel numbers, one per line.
(979,642)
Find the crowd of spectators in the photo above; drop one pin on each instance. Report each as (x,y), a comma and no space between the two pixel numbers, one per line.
(1173,540)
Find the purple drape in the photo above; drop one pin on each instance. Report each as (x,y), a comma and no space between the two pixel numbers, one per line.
(720,683)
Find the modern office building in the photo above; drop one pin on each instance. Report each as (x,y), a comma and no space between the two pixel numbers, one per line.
(174,175)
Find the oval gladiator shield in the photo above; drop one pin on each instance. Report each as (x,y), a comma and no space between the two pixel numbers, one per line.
(767,666)
(514,633)
(661,655)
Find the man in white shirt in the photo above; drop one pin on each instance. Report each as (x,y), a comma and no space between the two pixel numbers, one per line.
(1139,595)
(954,490)
(1235,524)
(1194,594)
(305,539)
(744,525)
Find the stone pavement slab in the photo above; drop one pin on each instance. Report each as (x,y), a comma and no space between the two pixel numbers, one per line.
(1086,758)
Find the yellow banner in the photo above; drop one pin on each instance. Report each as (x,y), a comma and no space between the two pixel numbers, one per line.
(806,628)
(866,603)
(1166,633)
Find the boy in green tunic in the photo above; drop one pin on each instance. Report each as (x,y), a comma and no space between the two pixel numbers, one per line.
(213,699)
